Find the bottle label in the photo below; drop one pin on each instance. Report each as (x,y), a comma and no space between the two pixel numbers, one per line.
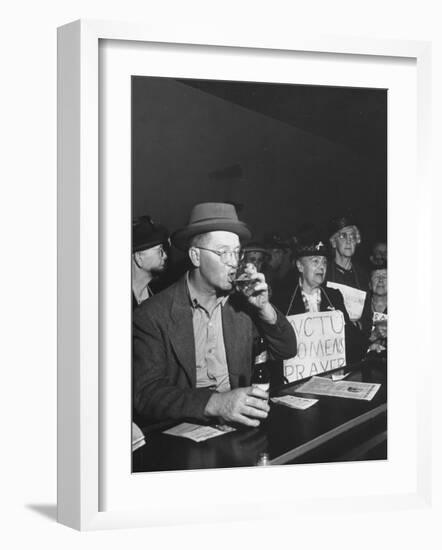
(261,358)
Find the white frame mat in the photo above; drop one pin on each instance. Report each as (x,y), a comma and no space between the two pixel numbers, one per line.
(80,293)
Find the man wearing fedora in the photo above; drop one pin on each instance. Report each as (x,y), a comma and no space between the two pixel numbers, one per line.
(193,341)
(149,257)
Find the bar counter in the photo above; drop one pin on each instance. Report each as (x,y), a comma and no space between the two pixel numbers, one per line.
(334,429)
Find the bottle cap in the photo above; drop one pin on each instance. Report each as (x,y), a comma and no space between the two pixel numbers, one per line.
(263,459)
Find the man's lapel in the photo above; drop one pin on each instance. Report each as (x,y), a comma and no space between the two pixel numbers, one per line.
(181,331)
(234,343)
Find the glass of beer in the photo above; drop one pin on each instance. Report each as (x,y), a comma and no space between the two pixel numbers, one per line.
(245,279)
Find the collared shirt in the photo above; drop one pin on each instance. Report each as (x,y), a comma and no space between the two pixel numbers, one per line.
(210,352)
(144,294)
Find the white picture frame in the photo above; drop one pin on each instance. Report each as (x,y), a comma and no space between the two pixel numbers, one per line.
(79,274)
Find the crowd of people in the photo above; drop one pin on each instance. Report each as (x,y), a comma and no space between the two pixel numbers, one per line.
(193,337)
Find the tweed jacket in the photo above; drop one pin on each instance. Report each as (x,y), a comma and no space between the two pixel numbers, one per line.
(164,364)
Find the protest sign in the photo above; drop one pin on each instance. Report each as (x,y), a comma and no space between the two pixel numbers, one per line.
(379,317)
(354,299)
(321,344)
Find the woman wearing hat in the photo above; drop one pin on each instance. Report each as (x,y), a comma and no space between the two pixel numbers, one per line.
(344,237)
(308,294)
(379,292)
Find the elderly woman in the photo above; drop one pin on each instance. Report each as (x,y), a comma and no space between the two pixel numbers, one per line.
(379,293)
(308,293)
(344,237)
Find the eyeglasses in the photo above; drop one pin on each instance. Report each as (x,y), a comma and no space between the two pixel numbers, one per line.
(226,256)
(351,236)
(161,249)
(317,261)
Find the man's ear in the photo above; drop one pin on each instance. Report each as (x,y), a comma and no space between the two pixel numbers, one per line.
(299,266)
(333,243)
(194,255)
(137,259)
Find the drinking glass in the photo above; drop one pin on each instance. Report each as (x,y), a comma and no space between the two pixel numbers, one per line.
(246,279)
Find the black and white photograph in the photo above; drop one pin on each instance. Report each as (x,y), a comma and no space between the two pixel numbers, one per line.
(258,274)
(198,202)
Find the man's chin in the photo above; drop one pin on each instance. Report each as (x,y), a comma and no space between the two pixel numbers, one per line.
(226,288)
(158,271)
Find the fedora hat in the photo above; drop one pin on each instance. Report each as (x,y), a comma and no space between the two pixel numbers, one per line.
(146,234)
(210,216)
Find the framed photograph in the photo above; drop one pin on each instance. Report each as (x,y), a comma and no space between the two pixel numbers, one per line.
(289,136)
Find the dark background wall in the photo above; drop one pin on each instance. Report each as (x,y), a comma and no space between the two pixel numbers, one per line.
(285,154)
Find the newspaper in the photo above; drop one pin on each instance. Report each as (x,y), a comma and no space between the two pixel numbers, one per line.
(138,439)
(347,389)
(354,299)
(198,433)
(294,401)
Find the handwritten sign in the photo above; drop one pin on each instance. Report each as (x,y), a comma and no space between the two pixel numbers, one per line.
(354,299)
(321,344)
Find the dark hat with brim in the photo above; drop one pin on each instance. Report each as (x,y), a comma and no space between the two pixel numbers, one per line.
(339,222)
(309,243)
(254,247)
(210,216)
(315,248)
(146,234)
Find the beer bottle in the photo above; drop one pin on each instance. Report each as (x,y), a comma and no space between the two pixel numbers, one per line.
(261,371)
